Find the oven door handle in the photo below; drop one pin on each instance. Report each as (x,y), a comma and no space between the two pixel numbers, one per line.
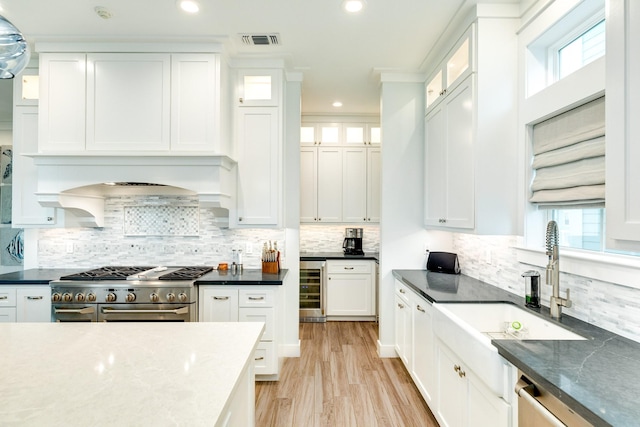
(108,310)
(84,310)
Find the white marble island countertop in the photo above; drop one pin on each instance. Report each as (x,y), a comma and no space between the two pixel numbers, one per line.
(134,374)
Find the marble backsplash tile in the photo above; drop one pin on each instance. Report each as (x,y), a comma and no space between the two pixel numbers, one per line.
(329,238)
(610,306)
(94,247)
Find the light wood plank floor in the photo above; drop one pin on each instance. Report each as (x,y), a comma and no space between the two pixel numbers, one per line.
(340,381)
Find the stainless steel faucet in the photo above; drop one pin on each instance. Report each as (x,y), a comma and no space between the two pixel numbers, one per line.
(553,272)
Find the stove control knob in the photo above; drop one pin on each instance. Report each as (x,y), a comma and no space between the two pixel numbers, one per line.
(91,297)
(111,297)
(56,297)
(154,297)
(80,297)
(131,297)
(67,297)
(182,297)
(171,297)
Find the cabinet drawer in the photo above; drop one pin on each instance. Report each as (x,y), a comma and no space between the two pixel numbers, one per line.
(256,298)
(265,315)
(265,362)
(7,314)
(349,267)
(7,297)
(402,291)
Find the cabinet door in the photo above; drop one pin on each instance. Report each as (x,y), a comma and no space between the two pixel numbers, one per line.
(354,184)
(264,315)
(350,295)
(374,182)
(259,88)
(451,390)
(33,304)
(258,192)
(424,367)
(62,102)
(195,113)
(218,305)
(459,63)
(485,409)
(403,344)
(128,101)
(435,168)
(434,89)
(308,184)
(309,134)
(26,211)
(329,184)
(7,314)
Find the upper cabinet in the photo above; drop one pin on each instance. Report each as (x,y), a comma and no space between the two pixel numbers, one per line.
(259,148)
(623,128)
(321,133)
(456,66)
(471,132)
(123,102)
(362,134)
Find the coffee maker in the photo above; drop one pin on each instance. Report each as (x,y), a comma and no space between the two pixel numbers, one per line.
(352,244)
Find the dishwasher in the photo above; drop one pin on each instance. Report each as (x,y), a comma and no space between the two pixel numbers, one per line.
(539,408)
(312,291)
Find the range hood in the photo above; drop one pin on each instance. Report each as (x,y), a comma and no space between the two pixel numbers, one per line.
(81,182)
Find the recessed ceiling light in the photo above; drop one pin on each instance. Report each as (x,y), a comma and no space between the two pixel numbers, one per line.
(189,6)
(337,104)
(353,6)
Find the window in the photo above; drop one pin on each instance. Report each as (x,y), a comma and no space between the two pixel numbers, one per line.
(580,228)
(587,47)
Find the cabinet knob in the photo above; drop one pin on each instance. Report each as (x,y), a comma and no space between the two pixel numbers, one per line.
(49,218)
(462,373)
(420,309)
(240,100)
(239,219)
(400,305)
(456,368)
(319,219)
(364,219)
(401,291)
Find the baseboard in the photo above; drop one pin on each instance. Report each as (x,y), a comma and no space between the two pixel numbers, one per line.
(386,351)
(289,350)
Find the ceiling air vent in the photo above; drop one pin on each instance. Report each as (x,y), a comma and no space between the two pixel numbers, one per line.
(260,39)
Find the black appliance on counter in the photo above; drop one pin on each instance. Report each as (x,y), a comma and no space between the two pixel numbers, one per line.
(127,294)
(352,244)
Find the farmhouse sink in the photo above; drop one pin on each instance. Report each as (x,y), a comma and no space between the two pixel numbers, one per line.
(468,329)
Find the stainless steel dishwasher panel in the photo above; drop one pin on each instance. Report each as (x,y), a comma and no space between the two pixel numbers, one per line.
(539,408)
(312,291)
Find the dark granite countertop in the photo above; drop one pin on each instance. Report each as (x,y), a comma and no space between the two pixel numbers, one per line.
(599,378)
(36,276)
(247,277)
(321,256)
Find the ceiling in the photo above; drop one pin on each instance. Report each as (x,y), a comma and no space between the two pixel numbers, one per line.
(340,55)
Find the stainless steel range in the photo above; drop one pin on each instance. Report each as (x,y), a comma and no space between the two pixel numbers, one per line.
(127,294)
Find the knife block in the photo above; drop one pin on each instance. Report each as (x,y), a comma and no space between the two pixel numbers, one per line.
(271,267)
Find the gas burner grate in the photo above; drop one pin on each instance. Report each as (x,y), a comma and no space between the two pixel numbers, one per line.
(186,273)
(106,273)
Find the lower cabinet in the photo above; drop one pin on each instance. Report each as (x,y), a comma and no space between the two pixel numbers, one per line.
(455,395)
(350,289)
(463,399)
(25,304)
(246,304)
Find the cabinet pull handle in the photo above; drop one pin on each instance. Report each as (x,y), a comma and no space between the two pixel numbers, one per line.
(221,298)
(35,298)
(256,298)
(348,268)
(400,305)
(259,358)
(401,291)
(420,309)
(4,297)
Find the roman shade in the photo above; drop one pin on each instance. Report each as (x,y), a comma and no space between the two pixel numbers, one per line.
(568,162)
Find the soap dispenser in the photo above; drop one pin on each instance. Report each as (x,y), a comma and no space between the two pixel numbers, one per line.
(532,288)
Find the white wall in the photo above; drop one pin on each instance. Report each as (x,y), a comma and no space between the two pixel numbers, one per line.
(402,235)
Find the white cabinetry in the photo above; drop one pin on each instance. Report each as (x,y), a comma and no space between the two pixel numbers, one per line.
(423,361)
(350,289)
(623,127)
(25,304)
(340,173)
(470,133)
(404,325)
(463,400)
(246,304)
(124,102)
(26,211)
(258,149)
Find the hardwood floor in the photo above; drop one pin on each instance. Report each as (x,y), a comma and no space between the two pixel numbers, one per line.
(340,381)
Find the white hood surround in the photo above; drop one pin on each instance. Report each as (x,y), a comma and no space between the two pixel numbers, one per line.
(78,183)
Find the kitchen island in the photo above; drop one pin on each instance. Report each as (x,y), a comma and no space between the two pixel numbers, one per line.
(78,374)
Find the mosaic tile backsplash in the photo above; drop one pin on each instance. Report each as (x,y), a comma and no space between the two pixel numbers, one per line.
(610,306)
(329,238)
(153,220)
(95,247)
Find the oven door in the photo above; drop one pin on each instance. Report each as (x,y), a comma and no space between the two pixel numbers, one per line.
(146,313)
(74,313)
